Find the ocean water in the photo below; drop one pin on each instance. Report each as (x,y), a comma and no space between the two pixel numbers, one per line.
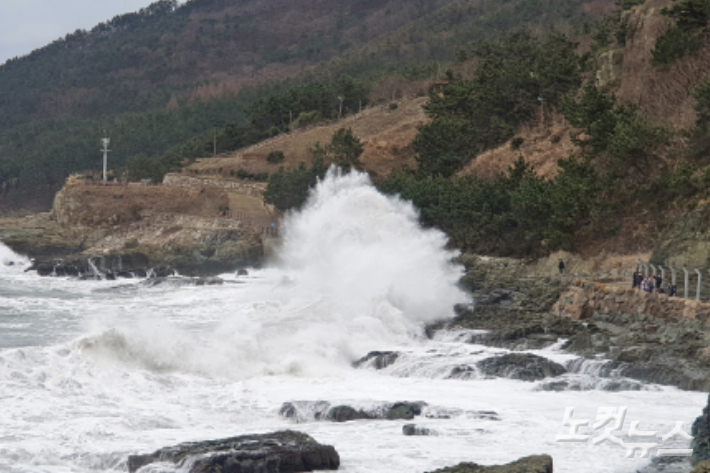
(92,371)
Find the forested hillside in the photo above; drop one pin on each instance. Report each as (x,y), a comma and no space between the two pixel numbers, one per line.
(632,170)
(161,80)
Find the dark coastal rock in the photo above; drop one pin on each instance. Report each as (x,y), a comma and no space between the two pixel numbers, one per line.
(308,411)
(414,429)
(405,410)
(668,371)
(242,272)
(514,310)
(639,347)
(462,372)
(513,329)
(59,268)
(135,263)
(496,297)
(377,359)
(279,452)
(504,282)
(701,436)
(531,464)
(101,267)
(522,366)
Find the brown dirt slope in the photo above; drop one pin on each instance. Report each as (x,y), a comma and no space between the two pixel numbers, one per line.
(387,135)
(542,147)
(95,205)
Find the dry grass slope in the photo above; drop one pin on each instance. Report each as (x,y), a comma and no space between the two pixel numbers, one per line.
(542,147)
(387,135)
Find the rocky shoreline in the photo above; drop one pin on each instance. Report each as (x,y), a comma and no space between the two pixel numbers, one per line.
(519,313)
(626,352)
(110,231)
(514,310)
(287,452)
(202,249)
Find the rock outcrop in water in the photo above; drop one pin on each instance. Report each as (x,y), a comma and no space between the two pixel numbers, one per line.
(307,411)
(377,359)
(131,229)
(414,429)
(522,366)
(531,464)
(279,452)
(641,347)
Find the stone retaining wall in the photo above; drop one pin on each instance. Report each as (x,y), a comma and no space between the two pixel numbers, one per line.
(182,180)
(583,298)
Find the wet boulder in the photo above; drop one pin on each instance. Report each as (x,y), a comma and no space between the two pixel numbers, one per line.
(462,372)
(414,429)
(522,366)
(531,464)
(377,359)
(279,452)
(308,411)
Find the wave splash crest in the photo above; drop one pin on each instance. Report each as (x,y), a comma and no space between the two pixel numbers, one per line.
(356,272)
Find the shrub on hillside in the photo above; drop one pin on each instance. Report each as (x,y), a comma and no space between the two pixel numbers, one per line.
(344,150)
(512,80)
(288,188)
(673,45)
(515,213)
(617,135)
(701,133)
(275,157)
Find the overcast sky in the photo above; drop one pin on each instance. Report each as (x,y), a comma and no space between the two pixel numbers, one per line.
(26,25)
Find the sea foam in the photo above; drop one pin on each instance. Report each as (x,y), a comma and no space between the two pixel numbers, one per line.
(356,272)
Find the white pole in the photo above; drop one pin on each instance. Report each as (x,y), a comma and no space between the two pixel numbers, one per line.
(105,142)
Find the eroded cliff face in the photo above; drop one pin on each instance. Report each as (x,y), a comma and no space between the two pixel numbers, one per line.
(191,230)
(665,93)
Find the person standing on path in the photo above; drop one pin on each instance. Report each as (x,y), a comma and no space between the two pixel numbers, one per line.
(561,266)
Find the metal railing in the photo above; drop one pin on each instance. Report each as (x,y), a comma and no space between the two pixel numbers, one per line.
(691,285)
